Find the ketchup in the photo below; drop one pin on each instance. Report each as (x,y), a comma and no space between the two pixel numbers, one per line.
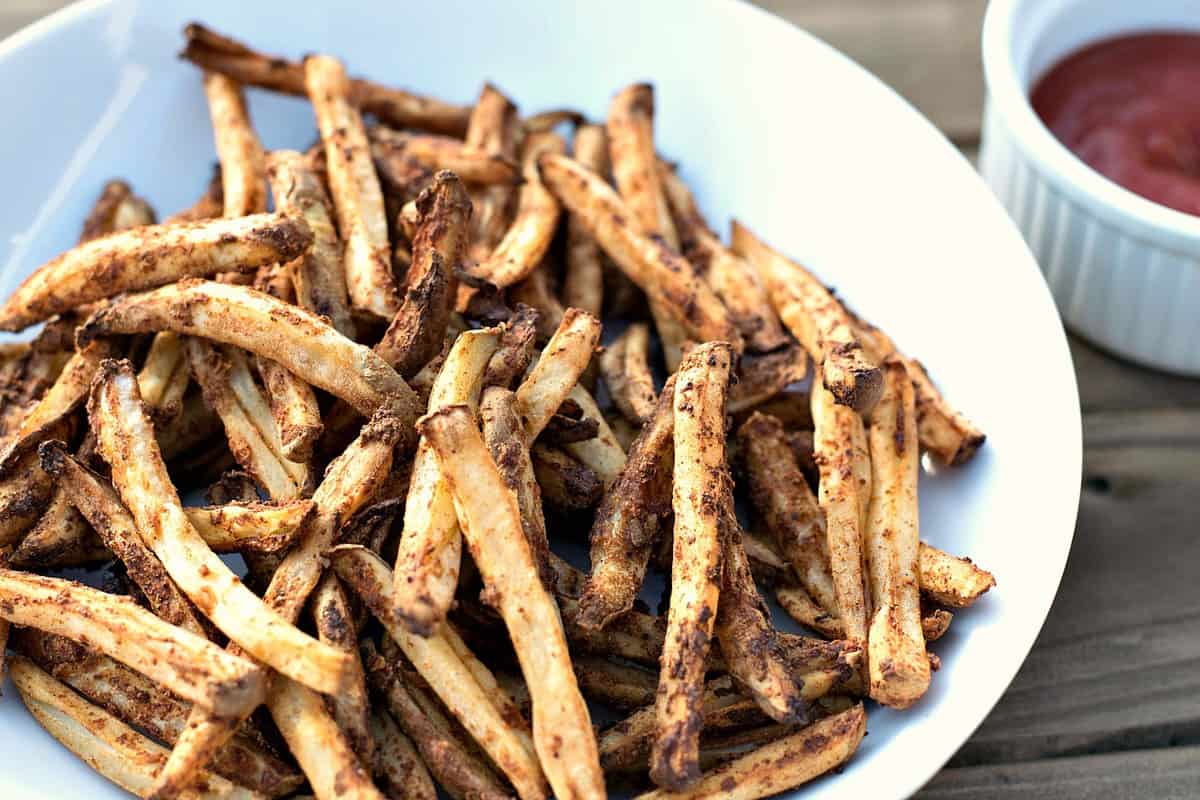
(1129,107)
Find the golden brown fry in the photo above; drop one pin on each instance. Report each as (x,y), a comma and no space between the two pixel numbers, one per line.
(455,680)
(185,663)
(629,520)
(583,281)
(817,320)
(116,209)
(190,429)
(354,185)
(398,767)
(780,765)
(490,521)
(416,333)
(335,626)
(935,623)
(318,274)
(494,130)
(733,280)
(212,51)
(800,606)
(535,291)
(243,163)
(294,409)
(618,685)
(165,374)
(949,580)
(302,343)
(625,367)
(533,225)
(514,351)
(112,748)
(151,256)
(667,279)
(565,482)
(258,527)
(427,562)
(443,153)
(701,478)
(557,370)
(764,377)
(603,454)
(25,491)
(549,120)
(899,669)
(126,441)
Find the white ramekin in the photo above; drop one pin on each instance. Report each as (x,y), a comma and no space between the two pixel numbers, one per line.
(1124,271)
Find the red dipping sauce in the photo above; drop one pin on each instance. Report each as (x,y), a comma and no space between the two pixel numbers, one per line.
(1130,109)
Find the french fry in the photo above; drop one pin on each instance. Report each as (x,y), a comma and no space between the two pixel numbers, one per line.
(565,482)
(801,607)
(335,626)
(618,685)
(416,333)
(116,209)
(733,280)
(700,478)
(194,425)
(430,550)
(243,163)
(61,538)
(437,152)
(112,748)
(165,374)
(25,492)
(490,521)
(899,668)
(150,256)
(583,280)
(557,370)
(625,367)
(761,378)
(26,376)
(535,291)
(257,527)
(295,411)
(816,319)
(949,580)
(549,120)
(603,454)
(493,130)
(667,279)
(357,198)
(562,429)
(5,627)
(780,765)
(627,524)
(302,343)
(185,663)
(528,237)
(318,275)
(935,623)
(126,441)
(441,663)
(210,204)
(514,351)
(398,767)
(212,51)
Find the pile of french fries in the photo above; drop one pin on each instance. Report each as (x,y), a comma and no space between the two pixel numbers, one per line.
(392,388)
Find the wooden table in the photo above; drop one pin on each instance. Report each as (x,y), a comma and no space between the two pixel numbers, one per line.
(1108,703)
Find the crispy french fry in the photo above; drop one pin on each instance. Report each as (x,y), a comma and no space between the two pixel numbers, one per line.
(190,429)
(668,280)
(514,351)
(761,378)
(583,281)
(318,275)
(151,256)
(212,51)
(549,120)
(935,623)
(427,562)
(733,280)
(817,320)
(185,663)
(5,627)
(416,333)
(602,453)
(436,152)
(335,626)
(949,580)
(112,748)
(164,376)
(25,492)
(126,441)
(840,449)
(354,186)
(801,607)
(535,291)
(565,482)
(618,685)
(455,680)
(61,538)
(780,765)
(700,478)
(258,527)
(625,367)
(557,370)
(562,429)
(490,521)
(398,767)
(528,237)
(629,519)
(295,411)
(302,343)
(116,209)
(899,668)
(243,163)
(494,130)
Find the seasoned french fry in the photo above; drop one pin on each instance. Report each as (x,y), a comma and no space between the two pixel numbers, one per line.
(430,550)
(294,408)
(536,292)
(603,453)
(733,280)
(700,478)
(935,623)
(302,343)
(151,256)
(25,491)
(760,379)
(398,767)
(617,685)
(801,607)
(318,275)
(195,425)
(490,520)
(514,350)
(185,663)
(494,130)
(116,209)
(628,521)
(164,376)
(557,370)
(126,441)
(112,748)
(625,367)
(354,185)
(780,765)
(549,120)
(335,627)
(562,429)
(665,276)
(258,527)
(5,627)
(528,237)
(949,580)
(444,153)
(565,482)
(817,320)
(212,51)
(243,163)
(583,281)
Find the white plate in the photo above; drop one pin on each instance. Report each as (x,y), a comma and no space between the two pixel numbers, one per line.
(807,148)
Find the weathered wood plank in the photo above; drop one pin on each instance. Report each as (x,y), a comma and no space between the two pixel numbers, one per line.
(1109,384)
(1161,774)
